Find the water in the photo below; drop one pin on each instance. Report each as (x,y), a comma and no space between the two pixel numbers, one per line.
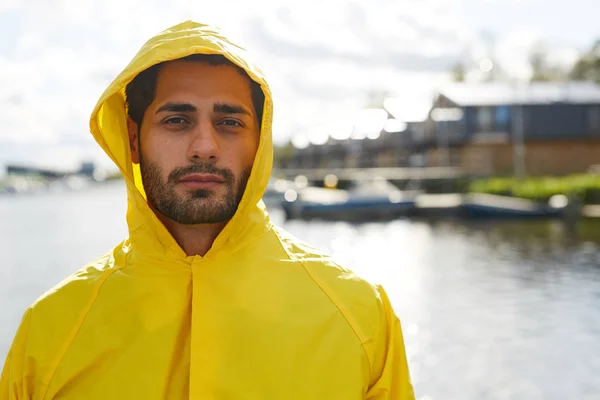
(505,310)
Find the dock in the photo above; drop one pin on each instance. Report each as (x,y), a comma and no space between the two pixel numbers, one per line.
(358,174)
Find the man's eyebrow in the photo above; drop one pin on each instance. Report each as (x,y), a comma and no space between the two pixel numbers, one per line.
(177,107)
(231,109)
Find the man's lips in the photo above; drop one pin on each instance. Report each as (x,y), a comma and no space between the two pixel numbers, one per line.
(202,180)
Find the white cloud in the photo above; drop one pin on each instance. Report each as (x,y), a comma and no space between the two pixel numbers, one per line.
(514,50)
(7,5)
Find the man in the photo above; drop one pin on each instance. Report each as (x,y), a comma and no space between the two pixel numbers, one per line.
(206,299)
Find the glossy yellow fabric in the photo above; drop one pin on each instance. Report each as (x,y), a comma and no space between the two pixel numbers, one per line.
(261,316)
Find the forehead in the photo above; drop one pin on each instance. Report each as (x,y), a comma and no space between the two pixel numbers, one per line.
(200,79)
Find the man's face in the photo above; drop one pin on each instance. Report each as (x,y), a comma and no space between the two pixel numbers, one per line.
(197,142)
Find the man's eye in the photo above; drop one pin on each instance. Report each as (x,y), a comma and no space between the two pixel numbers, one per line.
(175,121)
(231,122)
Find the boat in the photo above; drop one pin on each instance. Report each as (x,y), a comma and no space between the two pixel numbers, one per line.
(479,205)
(366,200)
(275,193)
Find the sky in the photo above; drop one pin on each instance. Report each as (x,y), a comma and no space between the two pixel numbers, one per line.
(325,60)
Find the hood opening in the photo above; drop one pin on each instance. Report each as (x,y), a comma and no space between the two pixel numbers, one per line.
(108,125)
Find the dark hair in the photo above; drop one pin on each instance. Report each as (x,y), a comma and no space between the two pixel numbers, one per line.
(140,92)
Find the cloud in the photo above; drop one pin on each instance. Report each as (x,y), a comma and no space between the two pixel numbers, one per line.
(363,34)
(513,53)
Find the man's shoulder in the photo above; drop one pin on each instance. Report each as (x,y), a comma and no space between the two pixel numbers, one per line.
(361,302)
(51,321)
(318,259)
(347,289)
(77,287)
(60,308)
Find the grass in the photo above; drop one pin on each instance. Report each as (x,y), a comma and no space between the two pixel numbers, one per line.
(585,187)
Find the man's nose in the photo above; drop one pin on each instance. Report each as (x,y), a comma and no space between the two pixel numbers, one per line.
(204,146)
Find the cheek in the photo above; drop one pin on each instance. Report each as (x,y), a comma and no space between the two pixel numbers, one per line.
(250,154)
(164,153)
(251,150)
(240,155)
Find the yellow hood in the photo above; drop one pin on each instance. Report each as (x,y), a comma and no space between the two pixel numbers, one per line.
(108,125)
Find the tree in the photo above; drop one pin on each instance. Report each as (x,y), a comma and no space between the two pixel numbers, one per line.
(588,66)
(458,73)
(538,62)
(542,70)
(282,154)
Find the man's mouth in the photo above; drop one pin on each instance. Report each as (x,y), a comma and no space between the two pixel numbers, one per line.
(202,181)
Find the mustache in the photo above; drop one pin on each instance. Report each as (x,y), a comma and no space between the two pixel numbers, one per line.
(180,172)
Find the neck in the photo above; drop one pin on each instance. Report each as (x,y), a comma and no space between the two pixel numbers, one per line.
(193,239)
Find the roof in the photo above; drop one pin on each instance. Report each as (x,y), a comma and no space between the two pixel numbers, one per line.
(408,108)
(500,93)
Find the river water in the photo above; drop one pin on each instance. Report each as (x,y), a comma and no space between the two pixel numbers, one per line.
(503,310)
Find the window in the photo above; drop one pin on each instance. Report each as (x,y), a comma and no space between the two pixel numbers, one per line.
(484,118)
(503,117)
(594,119)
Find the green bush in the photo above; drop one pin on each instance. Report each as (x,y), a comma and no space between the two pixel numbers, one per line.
(584,187)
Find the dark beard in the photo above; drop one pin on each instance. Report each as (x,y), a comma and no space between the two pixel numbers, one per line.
(202,206)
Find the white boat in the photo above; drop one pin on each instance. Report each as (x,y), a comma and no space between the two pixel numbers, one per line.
(364,200)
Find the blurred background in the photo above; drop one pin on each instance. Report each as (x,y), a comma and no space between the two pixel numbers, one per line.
(449,149)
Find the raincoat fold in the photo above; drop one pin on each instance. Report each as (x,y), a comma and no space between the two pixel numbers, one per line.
(260,316)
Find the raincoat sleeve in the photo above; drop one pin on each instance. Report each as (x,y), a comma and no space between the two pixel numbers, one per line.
(391,380)
(13,381)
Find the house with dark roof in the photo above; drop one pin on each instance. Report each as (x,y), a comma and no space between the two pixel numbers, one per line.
(549,128)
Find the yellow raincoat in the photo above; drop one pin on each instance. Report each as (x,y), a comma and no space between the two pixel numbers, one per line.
(260,316)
